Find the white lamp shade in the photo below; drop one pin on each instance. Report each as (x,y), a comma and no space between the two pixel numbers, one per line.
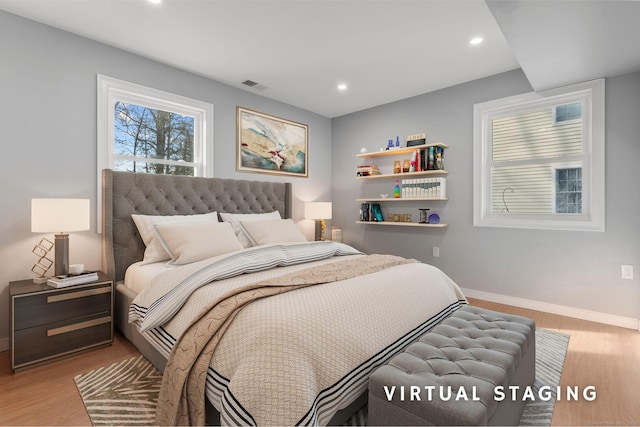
(317,210)
(59,215)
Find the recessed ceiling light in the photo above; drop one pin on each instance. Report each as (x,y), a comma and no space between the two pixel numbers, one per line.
(155,1)
(476,40)
(342,86)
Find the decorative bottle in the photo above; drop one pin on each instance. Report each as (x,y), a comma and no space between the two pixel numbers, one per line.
(396,167)
(396,190)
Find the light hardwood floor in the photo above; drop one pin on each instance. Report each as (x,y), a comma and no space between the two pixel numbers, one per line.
(46,395)
(604,356)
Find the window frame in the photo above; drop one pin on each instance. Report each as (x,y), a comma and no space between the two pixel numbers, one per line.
(592,159)
(111,90)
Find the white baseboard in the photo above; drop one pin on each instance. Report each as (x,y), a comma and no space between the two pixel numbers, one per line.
(4,344)
(578,313)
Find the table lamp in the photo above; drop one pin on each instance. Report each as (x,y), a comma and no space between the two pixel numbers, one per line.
(61,216)
(318,211)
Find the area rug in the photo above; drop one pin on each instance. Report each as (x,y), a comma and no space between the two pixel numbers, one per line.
(125,393)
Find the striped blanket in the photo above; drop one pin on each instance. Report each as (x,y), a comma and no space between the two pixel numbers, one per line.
(298,357)
(170,291)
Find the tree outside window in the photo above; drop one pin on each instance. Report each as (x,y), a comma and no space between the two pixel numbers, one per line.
(150,140)
(146,130)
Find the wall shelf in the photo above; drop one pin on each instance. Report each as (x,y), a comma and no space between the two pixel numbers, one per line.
(405,174)
(396,151)
(406,199)
(406,177)
(403,224)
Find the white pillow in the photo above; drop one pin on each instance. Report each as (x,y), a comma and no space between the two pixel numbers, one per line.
(154,251)
(272,231)
(188,242)
(235,220)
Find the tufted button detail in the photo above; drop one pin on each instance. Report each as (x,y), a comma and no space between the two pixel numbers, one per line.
(468,348)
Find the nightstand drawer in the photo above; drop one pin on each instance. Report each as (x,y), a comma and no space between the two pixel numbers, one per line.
(46,341)
(45,308)
(47,322)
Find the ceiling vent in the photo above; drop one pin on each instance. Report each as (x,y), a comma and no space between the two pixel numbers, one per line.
(254,85)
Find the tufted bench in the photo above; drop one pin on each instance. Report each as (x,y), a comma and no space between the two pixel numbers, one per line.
(459,373)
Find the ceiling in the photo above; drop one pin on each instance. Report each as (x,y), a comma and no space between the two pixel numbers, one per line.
(298,51)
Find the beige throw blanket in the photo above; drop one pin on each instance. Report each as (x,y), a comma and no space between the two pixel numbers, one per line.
(181,400)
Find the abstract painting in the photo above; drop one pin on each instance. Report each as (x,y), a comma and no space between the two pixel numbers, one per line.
(269,144)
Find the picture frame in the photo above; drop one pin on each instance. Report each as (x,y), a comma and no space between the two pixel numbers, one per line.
(270,144)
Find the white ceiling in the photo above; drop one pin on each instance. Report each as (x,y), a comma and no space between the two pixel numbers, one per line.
(562,42)
(299,50)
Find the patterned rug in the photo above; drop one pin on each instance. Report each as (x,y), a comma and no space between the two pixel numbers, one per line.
(125,393)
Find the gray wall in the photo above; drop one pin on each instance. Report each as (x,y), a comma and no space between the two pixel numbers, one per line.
(575,269)
(48,118)
(48,121)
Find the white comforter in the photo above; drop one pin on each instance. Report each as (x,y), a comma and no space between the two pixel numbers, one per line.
(297,357)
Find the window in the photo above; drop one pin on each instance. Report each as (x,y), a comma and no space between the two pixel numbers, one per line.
(568,190)
(145,130)
(149,140)
(539,160)
(149,131)
(567,113)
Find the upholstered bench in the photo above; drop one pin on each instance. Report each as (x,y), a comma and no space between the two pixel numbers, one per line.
(462,372)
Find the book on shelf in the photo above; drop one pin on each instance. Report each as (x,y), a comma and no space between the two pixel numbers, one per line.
(62,281)
(364,212)
(424,188)
(376,213)
(367,170)
(371,212)
(431,158)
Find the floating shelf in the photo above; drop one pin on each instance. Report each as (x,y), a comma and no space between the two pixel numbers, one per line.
(401,176)
(403,150)
(405,174)
(402,224)
(406,199)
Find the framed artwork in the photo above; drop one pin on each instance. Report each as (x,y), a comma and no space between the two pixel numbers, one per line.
(268,144)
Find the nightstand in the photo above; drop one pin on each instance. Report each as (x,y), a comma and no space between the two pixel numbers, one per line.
(48,323)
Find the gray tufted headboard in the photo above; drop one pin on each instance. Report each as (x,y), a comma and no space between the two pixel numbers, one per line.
(126,193)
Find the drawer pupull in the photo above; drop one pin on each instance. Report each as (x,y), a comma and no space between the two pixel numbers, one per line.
(78,326)
(79,294)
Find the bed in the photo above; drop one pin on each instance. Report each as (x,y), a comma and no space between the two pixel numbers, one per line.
(321,316)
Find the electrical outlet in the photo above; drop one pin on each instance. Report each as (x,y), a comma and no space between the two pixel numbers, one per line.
(627,271)
(436,252)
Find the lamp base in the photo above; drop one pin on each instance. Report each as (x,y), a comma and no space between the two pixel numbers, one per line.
(320,226)
(62,254)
